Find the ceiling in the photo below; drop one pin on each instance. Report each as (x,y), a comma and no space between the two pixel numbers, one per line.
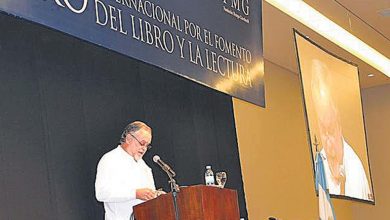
(359,17)
(369,11)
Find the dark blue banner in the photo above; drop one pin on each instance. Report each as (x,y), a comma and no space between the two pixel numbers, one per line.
(217,43)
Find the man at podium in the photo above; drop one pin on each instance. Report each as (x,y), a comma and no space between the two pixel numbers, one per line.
(123,179)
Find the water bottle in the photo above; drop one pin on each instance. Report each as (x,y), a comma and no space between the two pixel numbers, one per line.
(209,176)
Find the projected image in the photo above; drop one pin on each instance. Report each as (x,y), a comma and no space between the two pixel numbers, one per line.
(335,120)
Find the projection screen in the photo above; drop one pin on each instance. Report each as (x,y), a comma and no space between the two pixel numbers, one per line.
(334,119)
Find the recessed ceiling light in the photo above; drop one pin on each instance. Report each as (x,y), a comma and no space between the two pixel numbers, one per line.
(313,19)
(371,75)
(385,12)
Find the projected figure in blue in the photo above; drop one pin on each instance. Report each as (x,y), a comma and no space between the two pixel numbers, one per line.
(345,174)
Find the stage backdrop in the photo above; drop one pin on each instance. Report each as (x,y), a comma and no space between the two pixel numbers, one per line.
(65,102)
(216,43)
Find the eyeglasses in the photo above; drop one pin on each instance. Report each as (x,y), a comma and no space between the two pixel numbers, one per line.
(148,146)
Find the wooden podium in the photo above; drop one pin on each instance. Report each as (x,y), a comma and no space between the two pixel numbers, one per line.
(194,203)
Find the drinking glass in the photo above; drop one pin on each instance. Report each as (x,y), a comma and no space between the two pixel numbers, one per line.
(221,178)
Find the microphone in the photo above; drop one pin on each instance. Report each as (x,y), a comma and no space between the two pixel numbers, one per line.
(164,166)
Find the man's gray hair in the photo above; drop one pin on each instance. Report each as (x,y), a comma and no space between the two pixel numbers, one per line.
(132,128)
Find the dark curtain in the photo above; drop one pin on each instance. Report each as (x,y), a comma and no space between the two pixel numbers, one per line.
(64,103)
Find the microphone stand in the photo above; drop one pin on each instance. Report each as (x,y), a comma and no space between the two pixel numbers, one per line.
(174,189)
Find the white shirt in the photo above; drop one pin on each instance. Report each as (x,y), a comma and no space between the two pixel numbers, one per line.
(356,183)
(117,178)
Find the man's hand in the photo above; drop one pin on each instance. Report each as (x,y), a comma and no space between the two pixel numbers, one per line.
(160,192)
(145,194)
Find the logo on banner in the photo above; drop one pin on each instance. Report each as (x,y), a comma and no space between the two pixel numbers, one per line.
(71,7)
(239,9)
